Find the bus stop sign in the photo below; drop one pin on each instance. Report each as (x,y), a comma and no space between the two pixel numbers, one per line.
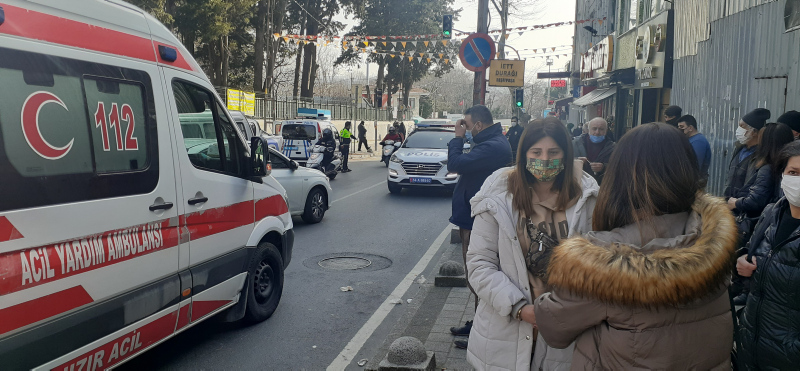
(477,52)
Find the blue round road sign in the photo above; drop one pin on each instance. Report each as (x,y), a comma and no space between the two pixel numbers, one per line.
(477,52)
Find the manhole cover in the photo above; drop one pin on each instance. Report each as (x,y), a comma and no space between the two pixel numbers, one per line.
(347,262)
(344,263)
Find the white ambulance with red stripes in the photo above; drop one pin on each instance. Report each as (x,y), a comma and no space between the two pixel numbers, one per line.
(130,206)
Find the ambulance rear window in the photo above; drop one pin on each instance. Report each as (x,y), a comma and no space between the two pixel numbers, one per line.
(73,130)
(299,131)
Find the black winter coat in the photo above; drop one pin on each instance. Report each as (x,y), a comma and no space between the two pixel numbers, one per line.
(770,331)
(362,131)
(514,134)
(738,173)
(757,192)
(490,152)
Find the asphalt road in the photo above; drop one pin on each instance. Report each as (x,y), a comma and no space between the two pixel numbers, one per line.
(315,319)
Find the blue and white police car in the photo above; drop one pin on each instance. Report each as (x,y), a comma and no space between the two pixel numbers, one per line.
(422,159)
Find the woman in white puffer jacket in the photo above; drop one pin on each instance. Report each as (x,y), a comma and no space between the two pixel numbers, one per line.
(546,193)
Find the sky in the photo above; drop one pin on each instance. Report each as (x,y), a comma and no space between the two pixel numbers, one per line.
(546,12)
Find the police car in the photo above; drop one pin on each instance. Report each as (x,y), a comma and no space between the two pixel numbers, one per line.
(422,159)
(300,135)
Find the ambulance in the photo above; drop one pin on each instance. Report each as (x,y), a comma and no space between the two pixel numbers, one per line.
(131,208)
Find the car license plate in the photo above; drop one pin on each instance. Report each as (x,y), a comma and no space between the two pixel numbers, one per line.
(421,180)
(291,147)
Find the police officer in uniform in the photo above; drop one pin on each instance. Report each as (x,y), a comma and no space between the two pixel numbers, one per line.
(346,136)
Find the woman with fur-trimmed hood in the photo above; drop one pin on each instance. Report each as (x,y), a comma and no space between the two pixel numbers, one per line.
(646,290)
(545,194)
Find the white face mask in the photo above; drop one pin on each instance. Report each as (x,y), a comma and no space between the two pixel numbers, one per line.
(791,189)
(741,135)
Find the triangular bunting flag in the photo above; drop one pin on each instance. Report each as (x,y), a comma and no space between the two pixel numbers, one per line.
(421,54)
(429,60)
(495,37)
(506,36)
(426,43)
(419,59)
(600,22)
(441,55)
(402,53)
(520,33)
(414,43)
(403,43)
(286,39)
(444,42)
(446,61)
(410,58)
(392,55)
(553,48)
(276,35)
(365,43)
(383,42)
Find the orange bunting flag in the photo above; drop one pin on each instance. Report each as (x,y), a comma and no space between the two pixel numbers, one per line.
(402,53)
(441,55)
(600,21)
(553,48)
(383,42)
(285,39)
(446,61)
(426,44)
(444,42)
(429,60)
(421,54)
(506,36)
(410,58)
(392,55)
(404,43)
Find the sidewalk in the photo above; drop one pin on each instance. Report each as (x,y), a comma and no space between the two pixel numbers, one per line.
(429,319)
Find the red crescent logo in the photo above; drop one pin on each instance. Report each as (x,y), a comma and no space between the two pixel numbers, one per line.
(30,126)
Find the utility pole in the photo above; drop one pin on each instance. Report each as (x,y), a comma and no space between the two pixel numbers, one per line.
(547,100)
(483,27)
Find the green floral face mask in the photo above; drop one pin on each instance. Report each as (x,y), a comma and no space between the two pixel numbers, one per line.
(545,170)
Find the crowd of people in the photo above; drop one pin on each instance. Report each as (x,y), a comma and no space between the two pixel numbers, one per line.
(588,253)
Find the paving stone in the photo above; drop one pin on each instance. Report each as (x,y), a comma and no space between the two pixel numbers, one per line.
(453,307)
(458,301)
(452,313)
(437,346)
(440,337)
(456,364)
(442,329)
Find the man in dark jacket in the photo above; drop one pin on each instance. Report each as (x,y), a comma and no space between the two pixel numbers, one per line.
(742,165)
(514,134)
(362,137)
(672,114)
(490,151)
(594,148)
(791,119)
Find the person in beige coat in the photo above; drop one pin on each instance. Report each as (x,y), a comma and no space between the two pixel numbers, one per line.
(505,266)
(647,290)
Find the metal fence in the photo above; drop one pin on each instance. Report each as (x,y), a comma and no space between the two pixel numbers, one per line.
(273,109)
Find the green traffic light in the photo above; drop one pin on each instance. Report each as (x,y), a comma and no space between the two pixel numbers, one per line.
(447,33)
(519,104)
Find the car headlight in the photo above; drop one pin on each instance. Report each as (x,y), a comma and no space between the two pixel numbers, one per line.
(396,159)
(314,156)
(392,172)
(451,176)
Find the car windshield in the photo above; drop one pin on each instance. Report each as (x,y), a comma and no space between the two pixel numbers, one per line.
(299,131)
(429,139)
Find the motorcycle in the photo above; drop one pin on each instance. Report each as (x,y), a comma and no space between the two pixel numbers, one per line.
(389,147)
(315,162)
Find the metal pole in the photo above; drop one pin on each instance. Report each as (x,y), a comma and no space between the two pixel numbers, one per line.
(547,100)
(479,85)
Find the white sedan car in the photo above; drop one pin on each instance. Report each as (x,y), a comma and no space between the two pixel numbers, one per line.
(422,160)
(308,190)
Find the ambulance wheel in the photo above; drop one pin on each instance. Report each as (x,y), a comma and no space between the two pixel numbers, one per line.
(394,188)
(315,207)
(264,283)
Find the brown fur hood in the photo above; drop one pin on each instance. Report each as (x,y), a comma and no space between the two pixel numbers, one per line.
(624,274)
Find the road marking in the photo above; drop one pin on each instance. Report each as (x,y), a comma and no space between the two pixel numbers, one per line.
(351,349)
(357,192)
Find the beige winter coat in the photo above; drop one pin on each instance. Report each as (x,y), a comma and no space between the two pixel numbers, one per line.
(497,272)
(645,300)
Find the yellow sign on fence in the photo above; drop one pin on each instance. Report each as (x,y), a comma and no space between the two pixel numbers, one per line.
(507,73)
(242,101)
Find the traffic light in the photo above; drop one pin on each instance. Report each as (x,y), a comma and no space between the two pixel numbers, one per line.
(447,26)
(518,97)
(378,98)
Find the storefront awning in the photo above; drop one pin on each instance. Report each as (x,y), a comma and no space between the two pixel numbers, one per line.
(595,96)
(563,101)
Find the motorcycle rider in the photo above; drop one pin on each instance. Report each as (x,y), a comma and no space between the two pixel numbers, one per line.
(329,143)
(392,135)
